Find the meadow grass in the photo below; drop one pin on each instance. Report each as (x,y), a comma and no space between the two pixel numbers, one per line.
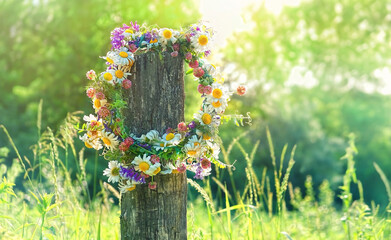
(53,201)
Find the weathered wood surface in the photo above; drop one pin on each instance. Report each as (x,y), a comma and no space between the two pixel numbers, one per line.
(155,101)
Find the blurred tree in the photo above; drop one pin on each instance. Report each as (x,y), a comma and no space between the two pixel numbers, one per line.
(316,69)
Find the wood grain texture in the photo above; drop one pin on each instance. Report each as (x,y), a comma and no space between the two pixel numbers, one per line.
(155,101)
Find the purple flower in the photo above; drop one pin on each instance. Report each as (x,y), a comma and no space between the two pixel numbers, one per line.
(207,53)
(135,26)
(191,125)
(147,36)
(117,37)
(131,174)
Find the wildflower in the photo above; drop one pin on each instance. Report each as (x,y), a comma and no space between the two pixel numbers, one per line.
(110,140)
(174,54)
(241,90)
(127,186)
(129,141)
(100,95)
(192,125)
(171,139)
(126,84)
(112,171)
(205,163)
(108,76)
(198,72)
(166,35)
(90,92)
(204,117)
(193,64)
(124,57)
(152,185)
(192,150)
(131,174)
(144,165)
(188,56)
(182,168)
(155,159)
(200,41)
(104,112)
(91,75)
(182,127)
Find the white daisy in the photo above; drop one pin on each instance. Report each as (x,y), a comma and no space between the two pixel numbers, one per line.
(195,141)
(92,119)
(192,150)
(152,135)
(110,140)
(129,34)
(144,165)
(112,171)
(200,41)
(205,117)
(215,149)
(108,76)
(171,139)
(120,76)
(124,57)
(205,136)
(97,103)
(110,57)
(168,168)
(127,186)
(167,34)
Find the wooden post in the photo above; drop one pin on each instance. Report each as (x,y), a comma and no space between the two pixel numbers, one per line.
(155,101)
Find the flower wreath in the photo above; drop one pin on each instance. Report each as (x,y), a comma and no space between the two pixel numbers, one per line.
(192,146)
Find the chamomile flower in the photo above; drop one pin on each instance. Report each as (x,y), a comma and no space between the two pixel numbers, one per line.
(93,120)
(192,150)
(200,41)
(124,57)
(168,168)
(98,103)
(215,149)
(127,186)
(195,141)
(205,117)
(171,139)
(109,140)
(112,171)
(91,142)
(152,135)
(144,165)
(167,34)
(129,34)
(218,105)
(108,76)
(111,57)
(120,76)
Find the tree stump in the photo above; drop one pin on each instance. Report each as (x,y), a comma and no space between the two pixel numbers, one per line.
(155,101)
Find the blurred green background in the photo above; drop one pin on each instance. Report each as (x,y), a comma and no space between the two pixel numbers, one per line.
(316,72)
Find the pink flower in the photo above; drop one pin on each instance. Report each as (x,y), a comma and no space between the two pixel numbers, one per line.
(188,56)
(241,90)
(200,88)
(152,185)
(181,168)
(207,90)
(155,159)
(176,47)
(193,64)
(90,92)
(174,54)
(100,95)
(198,72)
(104,112)
(129,141)
(91,75)
(205,163)
(182,127)
(126,83)
(132,47)
(123,147)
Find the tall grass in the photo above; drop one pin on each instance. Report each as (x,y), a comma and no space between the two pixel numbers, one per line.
(53,200)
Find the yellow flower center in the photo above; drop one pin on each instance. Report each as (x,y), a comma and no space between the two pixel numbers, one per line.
(106,141)
(131,188)
(144,166)
(206,136)
(109,60)
(129,31)
(123,54)
(119,74)
(216,104)
(157,171)
(167,34)
(107,76)
(115,171)
(161,144)
(206,118)
(217,93)
(191,152)
(203,40)
(97,103)
(87,145)
(196,144)
(153,40)
(175,171)
(170,136)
